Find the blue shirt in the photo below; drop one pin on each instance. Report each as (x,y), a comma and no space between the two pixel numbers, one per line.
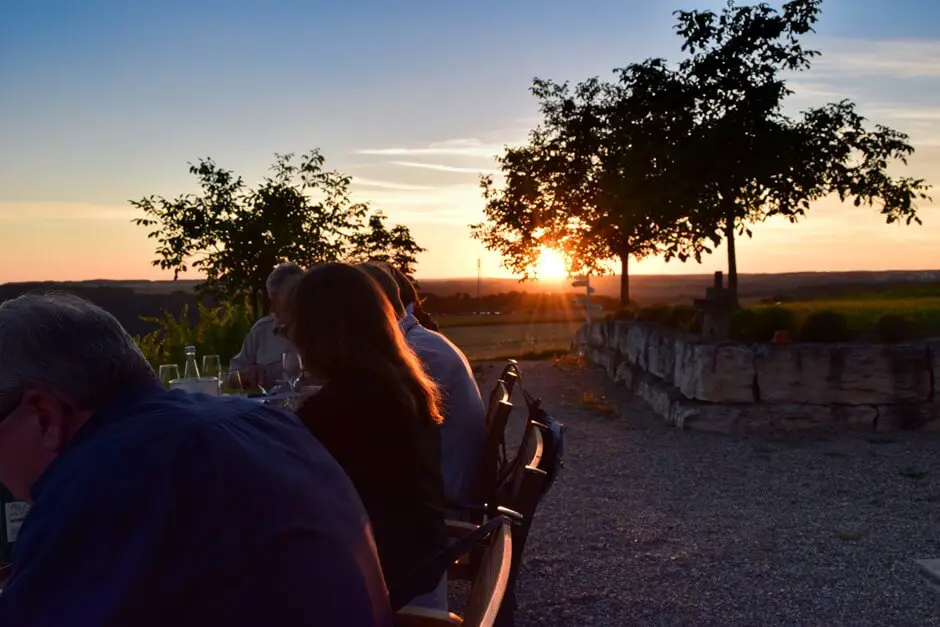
(463,434)
(174,509)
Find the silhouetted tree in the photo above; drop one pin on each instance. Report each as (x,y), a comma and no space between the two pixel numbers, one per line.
(598,178)
(236,235)
(747,159)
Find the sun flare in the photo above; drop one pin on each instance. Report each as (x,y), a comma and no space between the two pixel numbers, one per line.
(551,265)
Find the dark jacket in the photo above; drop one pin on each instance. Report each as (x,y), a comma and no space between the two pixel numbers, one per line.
(168,508)
(394,459)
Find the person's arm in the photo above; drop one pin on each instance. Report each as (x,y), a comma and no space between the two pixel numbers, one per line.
(86,553)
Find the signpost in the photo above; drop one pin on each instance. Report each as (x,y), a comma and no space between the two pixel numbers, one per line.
(585,282)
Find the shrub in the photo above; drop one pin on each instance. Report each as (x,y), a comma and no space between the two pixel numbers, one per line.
(825,326)
(759,325)
(218,331)
(894,329)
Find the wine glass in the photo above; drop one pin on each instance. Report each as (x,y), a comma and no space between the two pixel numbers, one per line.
(211,366)
(293,369)
(167,373)
(231,383)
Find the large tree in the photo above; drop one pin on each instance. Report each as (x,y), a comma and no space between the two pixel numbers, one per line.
(597,179)
(236,235)
(747,158)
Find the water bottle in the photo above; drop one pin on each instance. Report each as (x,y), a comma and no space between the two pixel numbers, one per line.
(190,370)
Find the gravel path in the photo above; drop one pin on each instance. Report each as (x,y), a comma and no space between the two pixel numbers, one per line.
(655,526)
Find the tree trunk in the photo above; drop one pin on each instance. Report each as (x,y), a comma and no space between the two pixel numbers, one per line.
(732,259)
(624,280)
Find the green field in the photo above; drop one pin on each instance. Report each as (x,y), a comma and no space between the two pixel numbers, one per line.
(919,304)
(522,341)
(516,318)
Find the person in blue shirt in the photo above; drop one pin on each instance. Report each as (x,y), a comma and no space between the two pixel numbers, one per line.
(164,508)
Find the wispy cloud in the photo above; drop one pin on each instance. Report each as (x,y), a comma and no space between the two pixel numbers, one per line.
(453,147)
(440,167)
(31,211)
(448,204)
(902,58)
(364,182)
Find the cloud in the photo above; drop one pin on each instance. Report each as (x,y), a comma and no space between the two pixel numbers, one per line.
(449,204)
(901,58)
(453,147)
(31,211)
(363,182)
(440,167)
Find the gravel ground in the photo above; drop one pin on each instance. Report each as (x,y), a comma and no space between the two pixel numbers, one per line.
(655,526)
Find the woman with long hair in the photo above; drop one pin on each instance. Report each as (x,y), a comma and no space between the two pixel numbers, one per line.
(377,413)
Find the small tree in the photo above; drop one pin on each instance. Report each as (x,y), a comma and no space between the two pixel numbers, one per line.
(597,180)
(236,235)
(747,159)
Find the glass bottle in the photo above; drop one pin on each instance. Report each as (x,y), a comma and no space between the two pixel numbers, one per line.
(190,370)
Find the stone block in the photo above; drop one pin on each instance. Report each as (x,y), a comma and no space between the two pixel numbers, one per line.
(606,358)
(661,353)
(692,416)
(908,417)
(596,334)
(625,375)
(657,394)
(717,373)
(842,374)
(633,344)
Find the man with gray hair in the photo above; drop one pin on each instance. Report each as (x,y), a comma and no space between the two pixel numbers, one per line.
(259,360)
(154,507)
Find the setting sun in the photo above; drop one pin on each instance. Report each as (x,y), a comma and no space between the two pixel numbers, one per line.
(551,265)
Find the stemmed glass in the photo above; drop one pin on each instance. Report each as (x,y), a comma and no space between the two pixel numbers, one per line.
(293,369)
(167,373)
(211,366)
(231,383)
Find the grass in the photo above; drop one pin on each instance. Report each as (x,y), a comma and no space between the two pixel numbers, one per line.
(517,318)
(920,304)
(533,340)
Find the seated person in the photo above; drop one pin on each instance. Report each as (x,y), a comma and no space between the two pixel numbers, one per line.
(154,507)
(463,434)
(259,361)
(409,297)
(377,413)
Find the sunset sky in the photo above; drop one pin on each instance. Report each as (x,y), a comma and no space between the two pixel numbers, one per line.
(101,102)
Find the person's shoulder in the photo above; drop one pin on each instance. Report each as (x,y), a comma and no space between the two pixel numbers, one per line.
(263,324)
(425,341)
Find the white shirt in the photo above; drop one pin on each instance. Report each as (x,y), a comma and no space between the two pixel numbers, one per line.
(463,433)
(264,346)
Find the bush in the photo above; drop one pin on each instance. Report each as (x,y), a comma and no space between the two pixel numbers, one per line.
(218,331)
(894,329)
(825,326)
(756,326)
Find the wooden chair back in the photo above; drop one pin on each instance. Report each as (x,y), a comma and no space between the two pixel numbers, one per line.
(492,580)
(486,593)
(494,448)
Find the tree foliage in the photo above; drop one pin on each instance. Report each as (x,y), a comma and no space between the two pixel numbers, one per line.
(236,235)
(747,159)
(597,179)
(673,161)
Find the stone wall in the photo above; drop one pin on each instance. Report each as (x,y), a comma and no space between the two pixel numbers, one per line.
(734,387)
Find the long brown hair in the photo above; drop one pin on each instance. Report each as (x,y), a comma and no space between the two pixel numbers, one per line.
(343,326)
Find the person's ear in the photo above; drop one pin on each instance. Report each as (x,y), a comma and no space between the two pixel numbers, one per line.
(49,417)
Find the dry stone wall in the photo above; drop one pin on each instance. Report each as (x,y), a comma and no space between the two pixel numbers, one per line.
(734,387)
